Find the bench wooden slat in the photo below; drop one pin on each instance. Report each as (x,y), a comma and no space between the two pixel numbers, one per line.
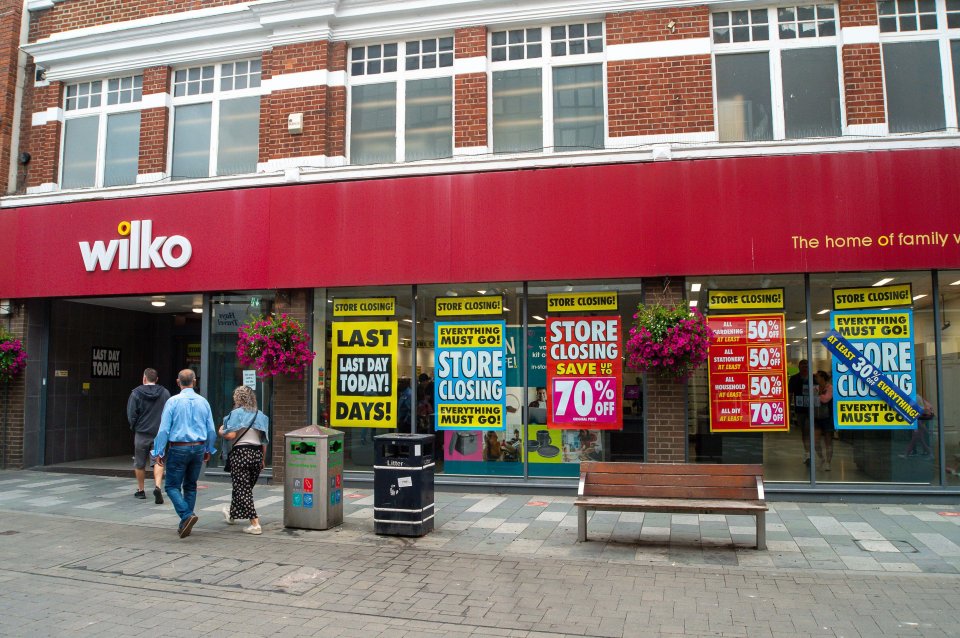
(672,487)
(681,480)
(671,468)
(668,491)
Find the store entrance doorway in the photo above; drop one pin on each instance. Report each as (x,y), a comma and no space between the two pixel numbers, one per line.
(98,350)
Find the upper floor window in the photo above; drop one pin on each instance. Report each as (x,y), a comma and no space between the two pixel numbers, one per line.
(548,97)
(401,112)
(777,73)
(101,133)
(919,42)
(216,119)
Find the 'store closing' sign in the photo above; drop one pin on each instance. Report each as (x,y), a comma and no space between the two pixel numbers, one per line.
(364,380)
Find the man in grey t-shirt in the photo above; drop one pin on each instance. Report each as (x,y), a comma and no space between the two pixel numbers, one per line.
(144,408)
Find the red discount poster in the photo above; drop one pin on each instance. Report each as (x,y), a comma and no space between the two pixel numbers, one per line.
(584,373)
(748,374)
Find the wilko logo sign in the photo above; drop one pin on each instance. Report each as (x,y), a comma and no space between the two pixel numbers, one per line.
(139,250)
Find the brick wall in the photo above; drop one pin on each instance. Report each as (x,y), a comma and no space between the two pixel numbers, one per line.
(666,401)
(470,42)
(77,14)
(858,13)
(42,142)
(470,91)
(659,96)
(651,26)
(9,39)
(13,396)
(154,123)
(289,393)
(863,84)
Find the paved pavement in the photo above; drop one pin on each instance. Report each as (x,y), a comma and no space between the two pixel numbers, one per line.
(80,556)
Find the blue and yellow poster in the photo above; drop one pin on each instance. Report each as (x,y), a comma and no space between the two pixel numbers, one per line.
(469,391)
(874,369)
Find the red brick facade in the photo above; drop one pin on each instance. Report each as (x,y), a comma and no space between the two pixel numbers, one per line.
(666,400)
(660,96)
(13,397)
(863,84)
(470,42)
(154,123)
(10,37)
(43,142)
(654,25)
(858,13)
(470,110)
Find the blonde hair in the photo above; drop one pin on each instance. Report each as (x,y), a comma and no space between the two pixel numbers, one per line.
(244,397)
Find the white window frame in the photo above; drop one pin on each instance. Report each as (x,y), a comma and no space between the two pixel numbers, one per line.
(943,36)
(214,98)
(774,46)
(400,77)
(547,62)
(103,112)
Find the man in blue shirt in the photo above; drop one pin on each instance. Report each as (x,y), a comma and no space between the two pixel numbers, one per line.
(187,425)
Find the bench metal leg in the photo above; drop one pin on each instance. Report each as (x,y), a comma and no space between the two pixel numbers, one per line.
(582,524)
(762,530)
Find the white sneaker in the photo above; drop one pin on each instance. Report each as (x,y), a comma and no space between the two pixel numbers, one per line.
(252,529)
(226,515)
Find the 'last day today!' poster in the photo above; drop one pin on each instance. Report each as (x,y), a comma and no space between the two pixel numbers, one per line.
(364,362)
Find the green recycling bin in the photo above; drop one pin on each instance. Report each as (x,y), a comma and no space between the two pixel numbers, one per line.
(313,478)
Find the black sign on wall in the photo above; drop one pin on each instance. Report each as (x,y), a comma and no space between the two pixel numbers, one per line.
(105,363)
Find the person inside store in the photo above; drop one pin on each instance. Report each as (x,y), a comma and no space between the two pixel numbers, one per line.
(185,441)
(541,400)
(823,419)
(921,435)
(404,403)
(144,408)
(247,427)
(798,388)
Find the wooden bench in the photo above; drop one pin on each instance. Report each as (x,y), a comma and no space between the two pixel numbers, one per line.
(672,487)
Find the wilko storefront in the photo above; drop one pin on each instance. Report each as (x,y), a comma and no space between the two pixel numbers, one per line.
(491,309)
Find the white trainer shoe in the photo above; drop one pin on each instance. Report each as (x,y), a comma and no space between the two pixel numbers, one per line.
(252,529)
(226,515)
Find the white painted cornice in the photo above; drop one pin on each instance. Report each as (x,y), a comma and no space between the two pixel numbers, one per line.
(251,28)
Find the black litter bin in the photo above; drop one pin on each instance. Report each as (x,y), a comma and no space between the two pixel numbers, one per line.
(403,484)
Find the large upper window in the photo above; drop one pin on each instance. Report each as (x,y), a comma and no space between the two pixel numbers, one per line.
(919,39)
(216,119)
(777,73)
(101,132)
(547,88)
(401,101)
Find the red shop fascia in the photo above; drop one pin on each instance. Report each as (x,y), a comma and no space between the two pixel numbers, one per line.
(878,211)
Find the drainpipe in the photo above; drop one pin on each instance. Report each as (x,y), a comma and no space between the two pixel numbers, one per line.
(18,100)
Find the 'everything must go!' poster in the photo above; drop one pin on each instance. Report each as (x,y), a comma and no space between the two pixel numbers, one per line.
(584,373)
(470,370)
(363,392)
(748,374)
(874,381)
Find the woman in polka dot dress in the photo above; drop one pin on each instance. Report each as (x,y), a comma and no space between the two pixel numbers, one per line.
(247,427)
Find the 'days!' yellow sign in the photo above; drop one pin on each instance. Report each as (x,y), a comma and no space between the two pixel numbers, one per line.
(872,297)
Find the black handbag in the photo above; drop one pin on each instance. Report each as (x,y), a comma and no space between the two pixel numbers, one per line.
(226,459)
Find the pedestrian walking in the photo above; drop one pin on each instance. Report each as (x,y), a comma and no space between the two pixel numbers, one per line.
(247,427)
(144,409)
(184,442)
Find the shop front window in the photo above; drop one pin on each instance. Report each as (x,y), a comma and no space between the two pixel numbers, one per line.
(468,379)
(859,440)
(949,411)
(229,311)
(741,410)
(581,404)
(364,367)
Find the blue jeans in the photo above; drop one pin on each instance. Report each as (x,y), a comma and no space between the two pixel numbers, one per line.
(183,465)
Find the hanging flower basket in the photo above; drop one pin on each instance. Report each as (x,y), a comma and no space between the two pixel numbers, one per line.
(13,358)
(668,342)
(274,345)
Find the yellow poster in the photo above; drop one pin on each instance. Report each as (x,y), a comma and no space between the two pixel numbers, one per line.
(872,297)
(756,299)
(466,306)
(365,307)
(581,301)
(363,392)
